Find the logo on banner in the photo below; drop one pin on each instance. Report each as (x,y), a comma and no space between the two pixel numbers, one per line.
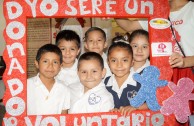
(159,23)
(161,49)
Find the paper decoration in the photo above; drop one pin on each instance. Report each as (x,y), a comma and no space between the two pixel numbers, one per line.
(178,103)
(149,81)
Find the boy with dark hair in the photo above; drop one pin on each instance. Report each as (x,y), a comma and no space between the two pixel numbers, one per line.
(95,41)
(69,43)
(92,96)
(45,94)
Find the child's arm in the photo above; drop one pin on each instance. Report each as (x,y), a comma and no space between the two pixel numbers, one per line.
(128,25)
(64,111)
(128,109)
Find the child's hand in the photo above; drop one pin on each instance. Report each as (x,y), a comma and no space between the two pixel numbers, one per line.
(114,110)
(176,60)
(125,111)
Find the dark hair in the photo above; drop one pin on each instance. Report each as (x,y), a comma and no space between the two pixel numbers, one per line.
(91,56)
(49,48)
(122,45)
(138,33)
(68,35)
(94,29)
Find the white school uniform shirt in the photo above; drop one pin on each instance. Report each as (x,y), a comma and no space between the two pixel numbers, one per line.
(112,82)
(108,71)
(42,102)
(97,99)
(147,63)
(69,75)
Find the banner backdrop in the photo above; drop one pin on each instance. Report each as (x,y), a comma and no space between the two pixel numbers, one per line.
(16,13)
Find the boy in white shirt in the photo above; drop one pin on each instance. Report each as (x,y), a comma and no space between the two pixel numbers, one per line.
(95,41)
(69,43)
(45,94)
(93,95)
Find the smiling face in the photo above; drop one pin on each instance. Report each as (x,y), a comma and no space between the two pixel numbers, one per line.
(95,42)
(119,60)
(48,65)
(140,48)
(90,73)
(69,50)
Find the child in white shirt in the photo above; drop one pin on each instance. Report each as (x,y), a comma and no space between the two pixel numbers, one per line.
(139,41)
(93,96)
(69,43)
(95,41)
(121,84)
(45,94)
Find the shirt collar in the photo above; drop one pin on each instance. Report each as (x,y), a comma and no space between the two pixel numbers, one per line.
(38,81)
(147,63)
(129,81)
(99,86)
(74,67)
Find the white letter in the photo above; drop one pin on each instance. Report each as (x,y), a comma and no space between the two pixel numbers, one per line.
(82,8)
(10,30)
(137,118)
(73,9)
(15,106)
(15,46)
(125,120)
(11,14)
(149,4)
(49,11)
(95,6)
(109,118)
(50,120)
(17,83)
(157,119)
(29,123)
(109,8)
(18,66)
(62,121)
(33,6)
(12,121)
(96,119)
(83,121)
(131,11)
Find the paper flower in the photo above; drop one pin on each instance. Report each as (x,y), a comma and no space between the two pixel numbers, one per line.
(178,103)
(149,81)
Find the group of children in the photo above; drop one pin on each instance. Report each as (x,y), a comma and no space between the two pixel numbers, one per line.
(94,82)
